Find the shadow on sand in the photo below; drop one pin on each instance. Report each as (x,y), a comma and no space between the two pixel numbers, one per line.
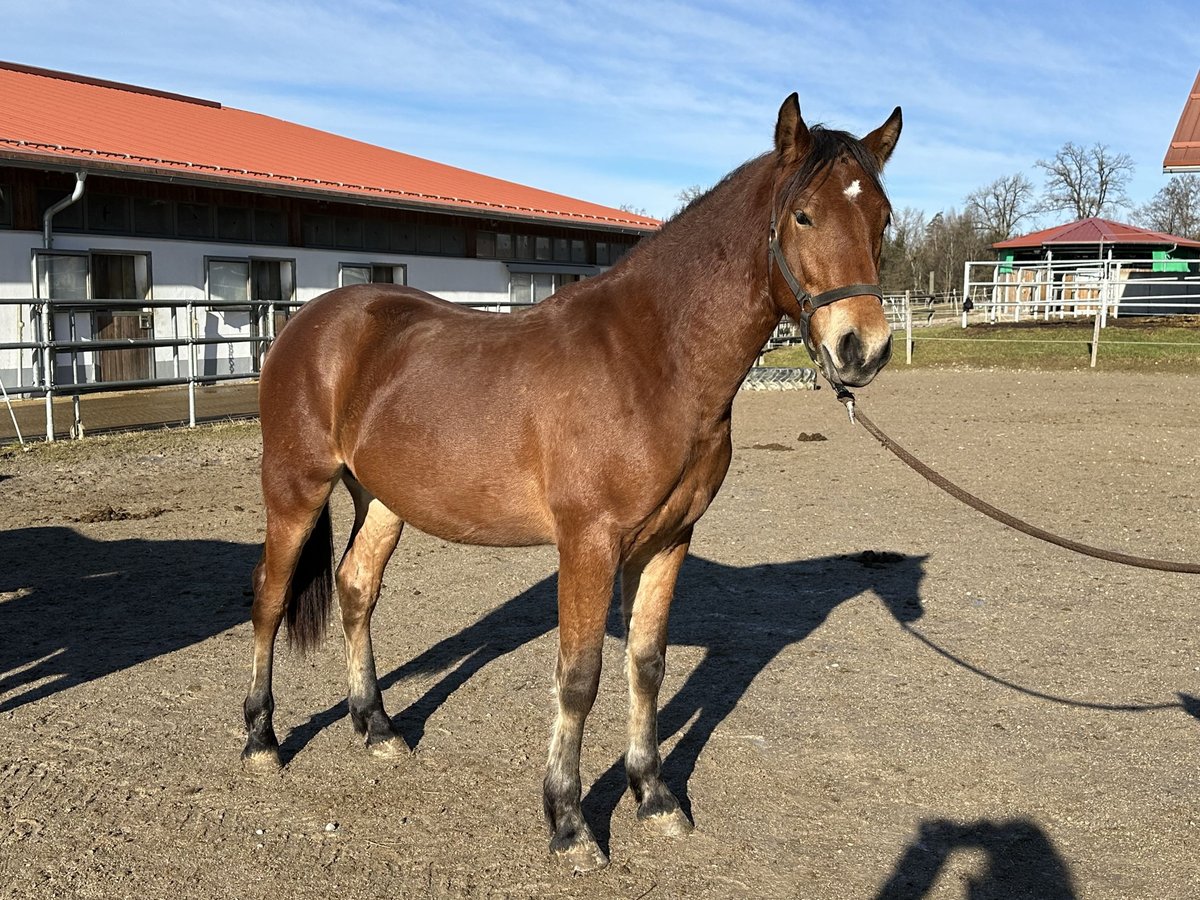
(741,617)
(81,609)
(1020,862)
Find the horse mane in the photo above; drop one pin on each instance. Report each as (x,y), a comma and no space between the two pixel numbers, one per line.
(827,145)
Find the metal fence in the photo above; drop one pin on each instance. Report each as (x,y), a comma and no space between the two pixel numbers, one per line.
(1050,289)
(56,338)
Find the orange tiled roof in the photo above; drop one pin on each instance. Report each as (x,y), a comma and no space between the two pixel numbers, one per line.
(1183,155)
(1093,231)
(106,126)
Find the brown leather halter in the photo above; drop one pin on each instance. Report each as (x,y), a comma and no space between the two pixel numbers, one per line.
(813,303)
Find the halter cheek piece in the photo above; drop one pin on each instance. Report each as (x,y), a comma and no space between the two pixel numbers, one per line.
(809,304)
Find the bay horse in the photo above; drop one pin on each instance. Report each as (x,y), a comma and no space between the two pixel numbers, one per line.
(598,421)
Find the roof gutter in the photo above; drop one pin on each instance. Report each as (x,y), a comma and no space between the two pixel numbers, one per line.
(48,216)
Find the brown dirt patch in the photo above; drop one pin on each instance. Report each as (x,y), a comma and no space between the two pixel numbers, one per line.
(907,696)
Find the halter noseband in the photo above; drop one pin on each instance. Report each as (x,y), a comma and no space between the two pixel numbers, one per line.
(803,297)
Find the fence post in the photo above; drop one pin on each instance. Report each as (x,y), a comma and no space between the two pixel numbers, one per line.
(908,343)
(48,368)
(191,326)
(1095,339)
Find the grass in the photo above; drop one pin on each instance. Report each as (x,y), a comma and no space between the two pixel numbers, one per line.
(1125,345)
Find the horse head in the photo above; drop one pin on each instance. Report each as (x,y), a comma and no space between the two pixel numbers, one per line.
(829,212)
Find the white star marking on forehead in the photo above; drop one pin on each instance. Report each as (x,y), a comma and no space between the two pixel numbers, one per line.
(853,190)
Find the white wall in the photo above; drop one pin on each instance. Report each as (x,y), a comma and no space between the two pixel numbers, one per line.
(177,272)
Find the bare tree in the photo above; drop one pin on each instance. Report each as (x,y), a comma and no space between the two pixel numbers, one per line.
(1175,209)
(686,196)
(998,207)
(1086,181)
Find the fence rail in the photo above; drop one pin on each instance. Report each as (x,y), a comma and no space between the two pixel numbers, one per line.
(56,337)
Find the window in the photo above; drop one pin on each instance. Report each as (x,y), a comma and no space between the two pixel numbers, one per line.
(233,223)
(123,278)
(317,231)
(349,232)
(238,293)
(107,213)
(270,226)
(6,206)
(485,244)
(602,257)
(402,237)
(541,248)
(68,219)
(373,273)
(375,234)
(195,220)
(153,217)
(534,287)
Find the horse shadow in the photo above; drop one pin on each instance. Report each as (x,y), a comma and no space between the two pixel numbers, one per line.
(1020,862)
(743,618)
(82,609)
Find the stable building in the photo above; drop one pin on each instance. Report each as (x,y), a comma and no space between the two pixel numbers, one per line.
(1183,153)
(203,226)
(1080,265)
(1096,240)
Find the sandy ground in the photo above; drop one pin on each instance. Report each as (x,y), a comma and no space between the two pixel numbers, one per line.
(962,713)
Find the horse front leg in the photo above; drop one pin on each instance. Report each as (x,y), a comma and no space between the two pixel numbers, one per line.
(646,593)
(585,577)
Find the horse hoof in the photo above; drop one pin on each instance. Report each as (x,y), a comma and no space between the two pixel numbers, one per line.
(583,857)
(262,762)
(392,748)
(674,824)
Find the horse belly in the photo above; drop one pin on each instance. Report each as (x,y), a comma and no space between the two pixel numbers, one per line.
(469,504)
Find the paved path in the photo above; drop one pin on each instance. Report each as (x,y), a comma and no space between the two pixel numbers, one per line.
(131,409)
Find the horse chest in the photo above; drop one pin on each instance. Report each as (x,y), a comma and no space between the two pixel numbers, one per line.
(688,498)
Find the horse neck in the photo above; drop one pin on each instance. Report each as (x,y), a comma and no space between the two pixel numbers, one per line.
(703,283)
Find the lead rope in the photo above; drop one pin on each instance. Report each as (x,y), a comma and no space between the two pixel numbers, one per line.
(999,515)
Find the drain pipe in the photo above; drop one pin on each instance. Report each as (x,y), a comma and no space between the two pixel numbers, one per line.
(47,354)
(48,215)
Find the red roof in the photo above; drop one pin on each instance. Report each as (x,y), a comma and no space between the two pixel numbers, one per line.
(1093,231)
(1184,153)
(105,126)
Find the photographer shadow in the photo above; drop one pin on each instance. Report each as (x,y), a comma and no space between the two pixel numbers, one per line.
(1020,862)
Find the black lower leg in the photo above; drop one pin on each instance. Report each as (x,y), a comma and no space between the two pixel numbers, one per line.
(643,764)
(260,735)
(370,719)
(561,789)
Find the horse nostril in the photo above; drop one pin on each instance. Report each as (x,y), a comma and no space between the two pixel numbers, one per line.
(850,351)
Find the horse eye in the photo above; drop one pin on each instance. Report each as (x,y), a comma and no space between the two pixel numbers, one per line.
(803,219)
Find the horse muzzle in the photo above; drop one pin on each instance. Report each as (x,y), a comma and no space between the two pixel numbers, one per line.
(853,361)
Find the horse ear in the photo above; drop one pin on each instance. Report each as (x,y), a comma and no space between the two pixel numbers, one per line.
(791,134)
(882,141)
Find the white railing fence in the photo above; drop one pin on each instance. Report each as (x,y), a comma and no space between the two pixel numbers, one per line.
(60,357)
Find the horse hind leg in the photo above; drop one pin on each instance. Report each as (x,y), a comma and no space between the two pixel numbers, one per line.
(359,578)
(646,593)
(298,547)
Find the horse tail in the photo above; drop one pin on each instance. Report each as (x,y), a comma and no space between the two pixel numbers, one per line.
(312,587)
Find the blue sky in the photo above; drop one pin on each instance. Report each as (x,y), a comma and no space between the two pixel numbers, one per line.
(629,102)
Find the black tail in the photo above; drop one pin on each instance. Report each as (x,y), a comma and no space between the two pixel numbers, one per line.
(312,587)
